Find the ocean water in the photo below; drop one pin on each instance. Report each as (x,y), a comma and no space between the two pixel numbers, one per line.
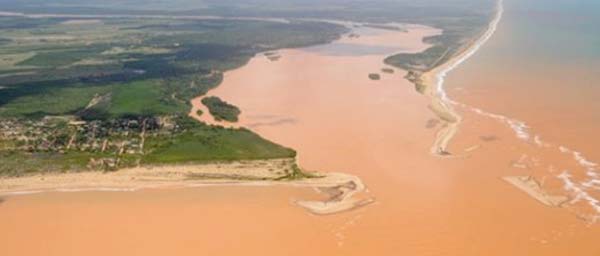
(540,76)
(555,31)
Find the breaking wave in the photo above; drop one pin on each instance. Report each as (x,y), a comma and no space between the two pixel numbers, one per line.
(579,190)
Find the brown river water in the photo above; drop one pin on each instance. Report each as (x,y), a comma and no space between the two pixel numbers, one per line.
(320,101)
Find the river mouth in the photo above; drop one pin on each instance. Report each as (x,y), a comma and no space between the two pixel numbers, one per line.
(323,104)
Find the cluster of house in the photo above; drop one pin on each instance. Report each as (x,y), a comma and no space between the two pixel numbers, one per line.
(67,133)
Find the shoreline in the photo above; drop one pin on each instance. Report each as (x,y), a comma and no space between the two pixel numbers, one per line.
(341,188)
(432,82)
(441,105)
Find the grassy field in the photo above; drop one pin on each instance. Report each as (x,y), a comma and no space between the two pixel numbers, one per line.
(23,163)
(142,98)
(206,143)
(49,100)
(60,58)
(10,61)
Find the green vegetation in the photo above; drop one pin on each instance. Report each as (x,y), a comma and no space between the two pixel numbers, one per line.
(9,61)
(457,33)
(207,143)
(422,61)
(148,66)
(49,100)
(460,20)
(387,70)
(121,88)
(141,98)
(297,173)
(199,145)
(131,79)
(16,163)
(221,110)
(65,145)
(386,27)
(59,58)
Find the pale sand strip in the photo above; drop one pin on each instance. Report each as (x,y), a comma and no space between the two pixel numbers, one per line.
(342,188)
(531,186)
(432,84)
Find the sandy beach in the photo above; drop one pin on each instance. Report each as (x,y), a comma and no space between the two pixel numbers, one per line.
(340,187)
(433,83)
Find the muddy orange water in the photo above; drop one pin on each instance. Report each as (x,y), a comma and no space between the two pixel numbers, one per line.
(321,102)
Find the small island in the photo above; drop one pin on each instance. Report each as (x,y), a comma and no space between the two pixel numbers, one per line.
(353,35)
(272,56)
(374,76)
(221,110)
(387,70)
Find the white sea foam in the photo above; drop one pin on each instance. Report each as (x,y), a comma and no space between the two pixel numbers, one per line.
(592,184)
(578,189)
(539,142)
(583,161)
(580,194)
(441,75)
(590,167)
(522,130)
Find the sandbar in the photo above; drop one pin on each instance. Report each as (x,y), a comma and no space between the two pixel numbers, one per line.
(534,189)
(342,188)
